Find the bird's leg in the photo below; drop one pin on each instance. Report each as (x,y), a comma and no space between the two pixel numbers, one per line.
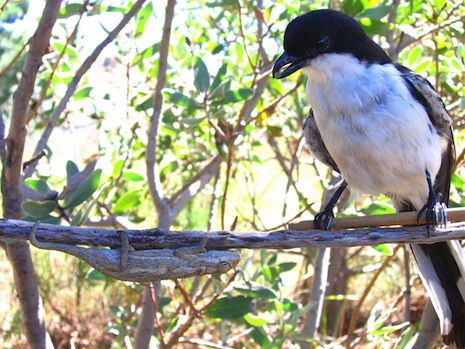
(324,219)
(434,209)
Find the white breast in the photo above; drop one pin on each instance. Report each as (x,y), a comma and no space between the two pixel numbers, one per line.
(380,137)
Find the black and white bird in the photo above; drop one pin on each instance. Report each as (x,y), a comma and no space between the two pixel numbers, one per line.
(385,130)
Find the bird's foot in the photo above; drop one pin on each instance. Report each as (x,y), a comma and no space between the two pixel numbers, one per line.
(434,211)
(324,219)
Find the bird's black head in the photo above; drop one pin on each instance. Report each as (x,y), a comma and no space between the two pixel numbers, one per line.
(324,31)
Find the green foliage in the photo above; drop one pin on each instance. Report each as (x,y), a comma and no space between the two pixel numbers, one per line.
(80,186)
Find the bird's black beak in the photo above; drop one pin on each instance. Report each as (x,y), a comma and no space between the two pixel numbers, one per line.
(288,64)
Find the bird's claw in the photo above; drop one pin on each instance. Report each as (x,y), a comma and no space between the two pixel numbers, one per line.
(435,213)
(324,220)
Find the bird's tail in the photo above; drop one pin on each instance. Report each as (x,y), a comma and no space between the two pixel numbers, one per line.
(441,268)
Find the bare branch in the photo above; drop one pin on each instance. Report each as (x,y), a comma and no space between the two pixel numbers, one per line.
(196,185)
(221,240)
(153,177)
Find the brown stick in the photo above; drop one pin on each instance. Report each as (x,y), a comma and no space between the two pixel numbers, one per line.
(385,220)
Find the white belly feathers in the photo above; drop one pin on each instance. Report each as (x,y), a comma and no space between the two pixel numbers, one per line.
(383,146)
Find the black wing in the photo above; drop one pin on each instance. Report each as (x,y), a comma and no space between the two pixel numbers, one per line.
(440,263)
(425,93)
(315,142)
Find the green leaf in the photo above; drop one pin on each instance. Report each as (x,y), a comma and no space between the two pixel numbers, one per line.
(254,289)
(182,100)
(84,190)
(229,308)
(287,266)
(128,201)
(38,185)
(219,78)
(142,18)
(192,121)
(377,12)
(256,320)
(117,167)
(49,219)
(271,273)
(289,305)
(414,55)
(389,329)
(234,96)
(261,337)
(201,75)
(374,26)
(132,176)
(383,249)
(146,53)
(83,92)
(94,274)
(38,209)
(378,208)
(352,7)
(71,169)
(70,10)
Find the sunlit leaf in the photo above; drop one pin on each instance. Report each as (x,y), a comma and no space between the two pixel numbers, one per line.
(182,100)
(377,12)
(117,167)
(38,185)
(219,77)
(383,249)
(389,329)
(257,320)
(192,121)
(234,96)
(128,201)
(133,176)
(229,308)
(70,10)
(142,17)
(201,75)
(83,92)
(84,190)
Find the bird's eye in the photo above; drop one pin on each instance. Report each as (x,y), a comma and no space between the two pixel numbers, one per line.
(324,42)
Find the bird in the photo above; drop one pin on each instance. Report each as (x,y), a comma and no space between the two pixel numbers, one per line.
(386,130)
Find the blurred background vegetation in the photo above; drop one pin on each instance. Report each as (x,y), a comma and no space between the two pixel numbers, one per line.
(223,149)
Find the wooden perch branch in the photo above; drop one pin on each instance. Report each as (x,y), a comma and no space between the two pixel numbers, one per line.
(223,240)
(385,220)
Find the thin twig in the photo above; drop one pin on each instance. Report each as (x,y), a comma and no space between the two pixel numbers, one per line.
(14,59)
(153,297)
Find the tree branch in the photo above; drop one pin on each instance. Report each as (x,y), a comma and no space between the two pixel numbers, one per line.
(222,240)
(153,177)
